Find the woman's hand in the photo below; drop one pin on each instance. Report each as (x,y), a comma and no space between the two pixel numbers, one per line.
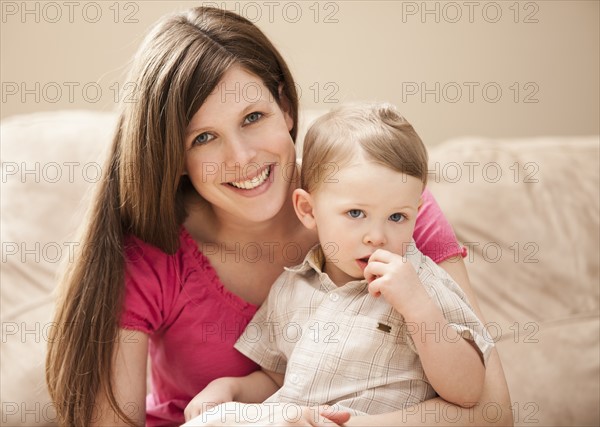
(335,415)
(274,414)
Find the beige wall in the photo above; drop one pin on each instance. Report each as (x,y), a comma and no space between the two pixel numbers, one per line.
(442,63)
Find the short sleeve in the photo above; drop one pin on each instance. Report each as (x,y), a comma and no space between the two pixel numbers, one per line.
(145,274)
(455,308)
(433,233)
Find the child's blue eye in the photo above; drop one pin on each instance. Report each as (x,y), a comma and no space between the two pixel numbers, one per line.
(253,117)
(397,217)
(355,213)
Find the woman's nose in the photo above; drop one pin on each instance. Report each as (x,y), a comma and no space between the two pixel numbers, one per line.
(238,152)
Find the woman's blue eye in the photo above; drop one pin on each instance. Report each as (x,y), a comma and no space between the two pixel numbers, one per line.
(355,213)
(203,138)
(252,117)
(397,217)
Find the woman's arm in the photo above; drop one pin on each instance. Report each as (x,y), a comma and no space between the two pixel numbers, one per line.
(258,386)
(493,409)
(253,388)
(129,381)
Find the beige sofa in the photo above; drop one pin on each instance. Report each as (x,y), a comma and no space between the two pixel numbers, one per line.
(528,210)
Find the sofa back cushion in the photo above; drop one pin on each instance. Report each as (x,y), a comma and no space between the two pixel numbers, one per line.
(528,211)
(50,162)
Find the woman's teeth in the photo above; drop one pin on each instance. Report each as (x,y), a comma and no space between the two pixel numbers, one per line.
(254,182)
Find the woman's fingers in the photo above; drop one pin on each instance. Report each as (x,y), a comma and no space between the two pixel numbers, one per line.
(335,415)
(261,415)
(190,413)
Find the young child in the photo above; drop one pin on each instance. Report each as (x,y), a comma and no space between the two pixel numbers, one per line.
(366,322)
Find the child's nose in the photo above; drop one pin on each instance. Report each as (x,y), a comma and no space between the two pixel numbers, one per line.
(375,236)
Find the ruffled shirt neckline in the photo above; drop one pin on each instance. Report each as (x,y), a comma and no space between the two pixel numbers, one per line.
(204,263)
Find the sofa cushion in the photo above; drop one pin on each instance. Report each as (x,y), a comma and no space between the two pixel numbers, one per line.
(528,210)
(49,162)
(25,400)
(552,372)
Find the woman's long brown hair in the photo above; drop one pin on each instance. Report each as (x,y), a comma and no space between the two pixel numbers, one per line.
(142,191)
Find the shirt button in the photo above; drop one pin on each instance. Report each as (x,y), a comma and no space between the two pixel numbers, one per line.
(334,297)
(294,378)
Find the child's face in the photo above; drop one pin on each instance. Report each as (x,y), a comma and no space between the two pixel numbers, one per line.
(362,208)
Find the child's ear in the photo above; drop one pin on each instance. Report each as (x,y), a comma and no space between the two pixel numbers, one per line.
(420,203)
(303,205)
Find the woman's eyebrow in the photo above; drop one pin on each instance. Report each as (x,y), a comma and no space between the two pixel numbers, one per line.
(194,130)
(252,105)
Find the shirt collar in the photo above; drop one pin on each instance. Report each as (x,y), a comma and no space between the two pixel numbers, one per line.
(314,259)
(414,256)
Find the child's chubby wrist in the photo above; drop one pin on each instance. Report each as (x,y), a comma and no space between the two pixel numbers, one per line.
(418,306)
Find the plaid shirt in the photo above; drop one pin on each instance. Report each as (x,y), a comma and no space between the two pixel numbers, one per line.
(340,345)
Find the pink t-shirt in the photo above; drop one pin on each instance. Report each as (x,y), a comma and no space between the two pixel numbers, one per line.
(433,234)
(193,321)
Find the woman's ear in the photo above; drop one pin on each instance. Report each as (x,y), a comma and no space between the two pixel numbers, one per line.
(285,108)
(304,207)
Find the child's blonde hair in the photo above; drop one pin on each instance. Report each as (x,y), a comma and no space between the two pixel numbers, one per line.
(375,130)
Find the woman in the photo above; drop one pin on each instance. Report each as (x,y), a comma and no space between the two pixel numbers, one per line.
(191,225)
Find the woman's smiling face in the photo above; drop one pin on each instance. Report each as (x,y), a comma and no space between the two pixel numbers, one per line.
(240,156)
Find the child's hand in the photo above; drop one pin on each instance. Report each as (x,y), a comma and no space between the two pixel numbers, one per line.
(215,393)
(394,277)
